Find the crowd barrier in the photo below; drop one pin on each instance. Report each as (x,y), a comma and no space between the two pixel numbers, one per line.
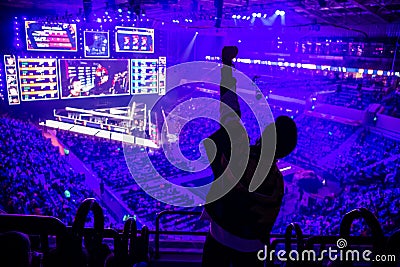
(55,244)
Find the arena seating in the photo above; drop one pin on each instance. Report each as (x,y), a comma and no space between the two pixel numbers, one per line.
(35,178)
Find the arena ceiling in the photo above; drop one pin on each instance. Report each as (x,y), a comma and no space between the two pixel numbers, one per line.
(340,12)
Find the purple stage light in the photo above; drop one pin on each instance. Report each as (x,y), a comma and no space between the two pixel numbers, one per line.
(254,15)
(234,16)
(238,16)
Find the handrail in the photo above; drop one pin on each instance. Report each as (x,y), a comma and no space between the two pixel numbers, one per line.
(158,232)
(34,224)
(371,221)
(288,239)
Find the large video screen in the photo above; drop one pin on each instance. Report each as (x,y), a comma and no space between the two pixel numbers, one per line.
(38,78)
(97,44)
(94,77)
(130,39)
(144,76)
(50,37)
(11,79)
(162,73)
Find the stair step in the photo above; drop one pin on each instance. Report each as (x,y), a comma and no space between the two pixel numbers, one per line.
(177,260)
(181,250)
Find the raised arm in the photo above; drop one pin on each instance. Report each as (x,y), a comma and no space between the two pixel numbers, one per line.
(228,97)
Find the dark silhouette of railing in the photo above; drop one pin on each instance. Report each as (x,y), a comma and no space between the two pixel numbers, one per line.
(132,245)
(158,232)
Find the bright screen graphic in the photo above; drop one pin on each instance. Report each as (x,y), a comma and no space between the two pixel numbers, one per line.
(97,44)
(94,78)
(162,73)
(50,37)
(11,79)
(144,76)
(38,78)
(137,40)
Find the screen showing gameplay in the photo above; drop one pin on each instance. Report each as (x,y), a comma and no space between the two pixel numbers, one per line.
(137,40)
(94,78)
(38,78)
(144,76)
(97,44)
(50,37)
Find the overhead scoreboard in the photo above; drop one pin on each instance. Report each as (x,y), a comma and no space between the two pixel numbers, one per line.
(38,78)
(41,36)
(131,39)
(94,77)
(144,76)
(148,76)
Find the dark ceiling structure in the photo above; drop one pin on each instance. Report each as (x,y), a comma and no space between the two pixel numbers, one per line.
(203,12)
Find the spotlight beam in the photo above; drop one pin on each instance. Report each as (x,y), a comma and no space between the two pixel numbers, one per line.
(189,49)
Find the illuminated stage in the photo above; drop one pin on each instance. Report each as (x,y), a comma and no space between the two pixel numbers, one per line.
(124,124)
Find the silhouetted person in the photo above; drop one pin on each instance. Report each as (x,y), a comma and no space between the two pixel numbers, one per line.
(241,221)
(15,249)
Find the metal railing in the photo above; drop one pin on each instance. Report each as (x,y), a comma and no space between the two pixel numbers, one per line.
(157,233)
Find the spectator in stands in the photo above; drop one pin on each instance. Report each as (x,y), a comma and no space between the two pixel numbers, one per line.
(241,221)
(15,250)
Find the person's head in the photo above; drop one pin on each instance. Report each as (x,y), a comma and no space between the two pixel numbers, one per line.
(286,136)
(15,249)
(10,61)
(76,86)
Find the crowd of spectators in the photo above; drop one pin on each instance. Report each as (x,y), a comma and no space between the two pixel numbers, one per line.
(109,163)
(318,138)
(324,217)
(366,160)
(366,169)
(336,88)
(35,177)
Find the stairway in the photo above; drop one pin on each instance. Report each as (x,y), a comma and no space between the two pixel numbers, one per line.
(329,160)
(179,253)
